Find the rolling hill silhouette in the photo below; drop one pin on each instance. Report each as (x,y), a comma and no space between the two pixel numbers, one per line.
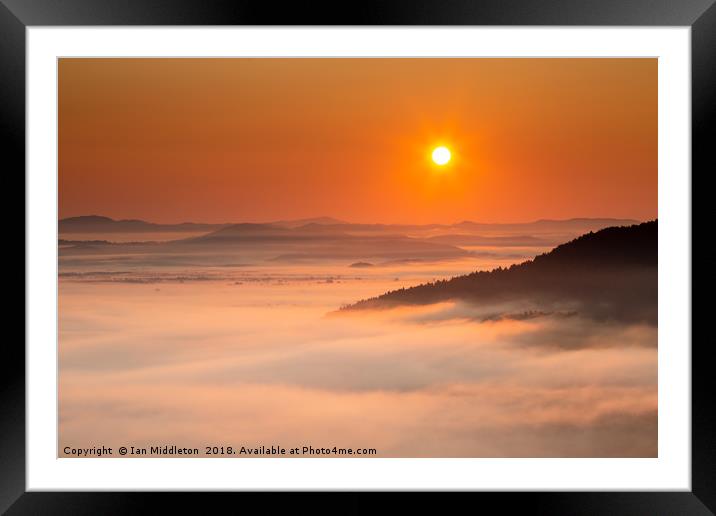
(549,225)
(317,239)
(100,224)
(303,222)
(610,274)
(263,243)
(540,232)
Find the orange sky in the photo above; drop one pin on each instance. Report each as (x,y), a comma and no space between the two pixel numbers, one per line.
(231,140)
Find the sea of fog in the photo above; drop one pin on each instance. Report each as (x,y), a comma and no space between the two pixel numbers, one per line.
(257,355)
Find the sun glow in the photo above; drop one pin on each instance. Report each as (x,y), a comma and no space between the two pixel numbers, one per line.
(441,155)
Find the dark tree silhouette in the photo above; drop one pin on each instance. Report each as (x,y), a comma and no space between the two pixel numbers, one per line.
(608,274)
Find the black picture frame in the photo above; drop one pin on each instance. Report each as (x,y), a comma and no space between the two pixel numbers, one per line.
(17,15)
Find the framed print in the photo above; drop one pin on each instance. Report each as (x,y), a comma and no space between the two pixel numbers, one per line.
(445,249)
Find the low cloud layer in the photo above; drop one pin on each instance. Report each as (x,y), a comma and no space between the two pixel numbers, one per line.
(266,362)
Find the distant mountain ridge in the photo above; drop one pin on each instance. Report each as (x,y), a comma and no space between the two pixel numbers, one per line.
(100,224)
(611,273)
(303,222)
(307,241)
(257,242)
(254,232)
(550,225)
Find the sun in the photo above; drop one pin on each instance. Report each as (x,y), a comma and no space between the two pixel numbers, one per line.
(441,155)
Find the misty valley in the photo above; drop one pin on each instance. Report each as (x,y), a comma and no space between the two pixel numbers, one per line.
(536,339)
